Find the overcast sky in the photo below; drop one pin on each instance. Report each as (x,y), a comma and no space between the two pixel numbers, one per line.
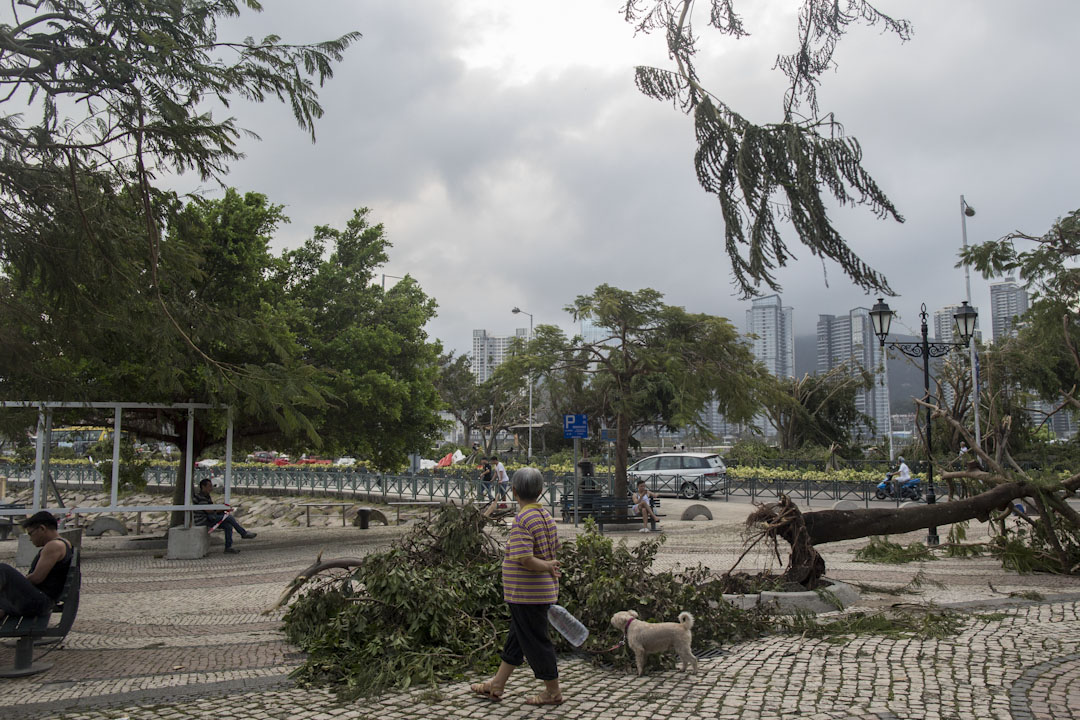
(514,163)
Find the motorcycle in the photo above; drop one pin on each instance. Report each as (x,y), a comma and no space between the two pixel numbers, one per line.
(909,490)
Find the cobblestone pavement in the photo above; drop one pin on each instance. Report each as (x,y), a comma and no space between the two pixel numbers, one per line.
(186,639)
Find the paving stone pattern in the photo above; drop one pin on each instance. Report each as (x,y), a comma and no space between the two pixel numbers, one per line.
(188,639)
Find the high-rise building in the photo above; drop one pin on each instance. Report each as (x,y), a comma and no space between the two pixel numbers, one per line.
(592,333)
(1007,301)
(774,342)
(849,340)
(489,351)
(945,324)
(945,331)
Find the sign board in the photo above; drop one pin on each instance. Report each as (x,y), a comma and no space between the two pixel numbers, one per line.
(607,434)
(575,426)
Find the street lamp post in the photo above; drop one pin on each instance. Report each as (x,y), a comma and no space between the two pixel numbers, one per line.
(881,315)
(516,311)
(967,211)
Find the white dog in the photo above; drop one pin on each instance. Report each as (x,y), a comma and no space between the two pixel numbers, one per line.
(645,638)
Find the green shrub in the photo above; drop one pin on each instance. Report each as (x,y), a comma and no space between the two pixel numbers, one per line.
(132,476)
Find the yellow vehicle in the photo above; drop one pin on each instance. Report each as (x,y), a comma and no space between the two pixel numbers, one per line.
(79,438)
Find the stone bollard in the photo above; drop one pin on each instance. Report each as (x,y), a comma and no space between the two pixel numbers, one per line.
(187,543)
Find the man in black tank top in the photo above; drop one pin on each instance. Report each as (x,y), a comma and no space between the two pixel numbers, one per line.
(34,594)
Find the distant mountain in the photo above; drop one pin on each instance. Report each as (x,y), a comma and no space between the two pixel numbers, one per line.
(905,374)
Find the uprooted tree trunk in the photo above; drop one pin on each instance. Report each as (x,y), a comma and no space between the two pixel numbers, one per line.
(1006,481)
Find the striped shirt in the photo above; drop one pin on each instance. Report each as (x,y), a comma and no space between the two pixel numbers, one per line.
(533,534)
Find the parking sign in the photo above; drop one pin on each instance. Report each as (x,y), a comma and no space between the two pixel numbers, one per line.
(575,426)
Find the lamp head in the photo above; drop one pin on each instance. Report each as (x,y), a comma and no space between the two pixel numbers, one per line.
(516,310)
(965,319)
(881,316)
(968,210)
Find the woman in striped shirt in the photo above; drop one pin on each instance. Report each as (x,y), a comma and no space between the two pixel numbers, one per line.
(530,586)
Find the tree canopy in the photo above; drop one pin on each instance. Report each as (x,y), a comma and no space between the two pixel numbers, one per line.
(100,98)
(817,409)
(770,174)
(654,364)
(307,350)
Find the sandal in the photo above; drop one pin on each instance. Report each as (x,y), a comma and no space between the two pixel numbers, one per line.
(545,699)
(486,690)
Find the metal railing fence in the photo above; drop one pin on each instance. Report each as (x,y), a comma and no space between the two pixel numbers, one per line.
(456,488)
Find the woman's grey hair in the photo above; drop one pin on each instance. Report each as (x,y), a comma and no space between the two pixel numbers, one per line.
(528,483)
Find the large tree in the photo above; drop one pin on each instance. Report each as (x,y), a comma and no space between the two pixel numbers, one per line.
(100,98)
(770,174)
(655,362)
(313,352)
(817,409)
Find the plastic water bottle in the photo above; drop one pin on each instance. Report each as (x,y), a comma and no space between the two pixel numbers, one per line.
(567,625)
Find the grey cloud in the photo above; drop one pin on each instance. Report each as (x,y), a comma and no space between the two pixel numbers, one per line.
(498,194)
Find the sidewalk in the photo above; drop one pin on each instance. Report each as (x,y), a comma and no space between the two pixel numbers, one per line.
(183,639)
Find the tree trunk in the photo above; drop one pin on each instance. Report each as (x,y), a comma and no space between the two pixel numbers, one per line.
(199,444)
(825,526)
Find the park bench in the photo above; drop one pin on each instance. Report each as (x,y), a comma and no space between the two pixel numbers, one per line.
(605,510)
(30,629)
(331,505)
(415,503)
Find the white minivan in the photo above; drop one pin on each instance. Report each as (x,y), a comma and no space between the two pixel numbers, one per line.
(685,475)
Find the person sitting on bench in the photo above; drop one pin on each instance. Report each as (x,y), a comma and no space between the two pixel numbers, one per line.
(35,593)
(217,518)
(643,505)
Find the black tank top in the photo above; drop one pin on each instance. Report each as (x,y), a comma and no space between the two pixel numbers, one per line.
(53,584)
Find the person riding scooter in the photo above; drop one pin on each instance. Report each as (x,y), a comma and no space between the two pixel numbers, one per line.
(900,476)
(899,484)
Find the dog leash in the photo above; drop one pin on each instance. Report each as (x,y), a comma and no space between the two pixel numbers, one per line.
(617,645)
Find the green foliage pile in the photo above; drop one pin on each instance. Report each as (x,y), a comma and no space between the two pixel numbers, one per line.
(430,609)
(915,622)
(1026,552)
(601,578)
(883,550)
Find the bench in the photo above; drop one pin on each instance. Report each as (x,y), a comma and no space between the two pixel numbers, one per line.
(308,505)
(605,510)
(29,629)
(415,503)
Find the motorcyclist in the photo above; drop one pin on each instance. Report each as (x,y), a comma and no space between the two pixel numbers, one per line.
(900,476)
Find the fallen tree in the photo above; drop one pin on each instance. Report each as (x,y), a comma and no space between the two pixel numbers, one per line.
(1052,534)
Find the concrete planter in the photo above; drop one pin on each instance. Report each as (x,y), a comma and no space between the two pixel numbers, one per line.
(833,596)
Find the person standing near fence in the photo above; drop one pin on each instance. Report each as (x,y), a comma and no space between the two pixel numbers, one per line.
(502,477)
(486,481)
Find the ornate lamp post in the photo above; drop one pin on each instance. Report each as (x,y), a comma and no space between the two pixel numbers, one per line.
(881,315)
(967,211)
(516,311)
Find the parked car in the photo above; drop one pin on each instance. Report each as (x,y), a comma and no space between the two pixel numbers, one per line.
(268,456)
(685,475)
(313,460)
